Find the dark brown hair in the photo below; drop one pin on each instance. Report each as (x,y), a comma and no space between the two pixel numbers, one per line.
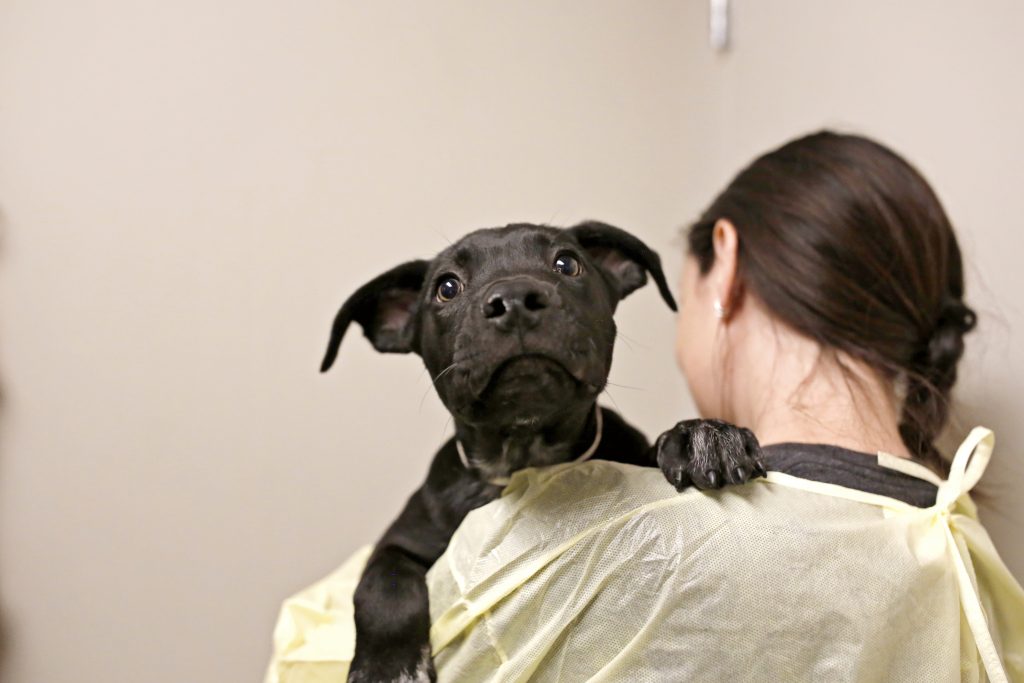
(845,242)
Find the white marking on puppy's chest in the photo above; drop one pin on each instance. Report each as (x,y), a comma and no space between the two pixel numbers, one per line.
(586,455)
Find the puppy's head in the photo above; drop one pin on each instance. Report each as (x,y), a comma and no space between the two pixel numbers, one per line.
(514,324)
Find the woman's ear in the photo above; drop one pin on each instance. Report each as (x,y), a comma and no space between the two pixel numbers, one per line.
(728,292)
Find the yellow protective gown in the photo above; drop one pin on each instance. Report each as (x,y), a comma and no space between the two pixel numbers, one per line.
(602,572)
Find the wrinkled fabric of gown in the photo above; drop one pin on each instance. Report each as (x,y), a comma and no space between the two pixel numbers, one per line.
(602,572)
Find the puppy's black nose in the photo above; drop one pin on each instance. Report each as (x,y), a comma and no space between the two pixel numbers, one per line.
(521,301)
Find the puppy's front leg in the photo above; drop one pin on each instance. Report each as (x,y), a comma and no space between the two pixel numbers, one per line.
(392,611)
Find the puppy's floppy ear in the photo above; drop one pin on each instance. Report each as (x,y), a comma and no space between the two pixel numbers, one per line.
(386,309)
(624,259)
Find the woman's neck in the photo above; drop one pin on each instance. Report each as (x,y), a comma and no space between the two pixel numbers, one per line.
(793,391)
(827,424)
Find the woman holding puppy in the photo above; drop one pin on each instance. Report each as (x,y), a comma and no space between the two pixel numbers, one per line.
(822,306)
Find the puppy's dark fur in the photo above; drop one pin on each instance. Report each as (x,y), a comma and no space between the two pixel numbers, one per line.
(515,327)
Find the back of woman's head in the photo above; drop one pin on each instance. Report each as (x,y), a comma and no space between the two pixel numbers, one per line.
(846,243)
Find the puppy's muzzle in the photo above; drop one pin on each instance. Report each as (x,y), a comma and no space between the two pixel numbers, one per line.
(518,303)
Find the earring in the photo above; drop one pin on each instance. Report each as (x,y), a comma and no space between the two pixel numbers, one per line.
(720,310)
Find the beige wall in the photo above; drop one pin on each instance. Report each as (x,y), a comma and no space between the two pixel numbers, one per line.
(188,190)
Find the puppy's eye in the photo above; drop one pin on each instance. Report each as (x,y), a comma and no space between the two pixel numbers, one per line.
(567,264)
(449,288)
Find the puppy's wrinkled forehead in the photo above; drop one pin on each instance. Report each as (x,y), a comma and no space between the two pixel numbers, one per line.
(493,252)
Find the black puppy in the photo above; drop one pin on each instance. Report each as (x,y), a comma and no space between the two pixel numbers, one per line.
(515,327)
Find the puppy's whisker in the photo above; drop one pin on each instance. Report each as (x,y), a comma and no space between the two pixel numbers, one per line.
(624,386)
(444,429)
(614,402)
(434,384)
(442,374)
(424,398)
(443,236)
(630,341)
(445,372)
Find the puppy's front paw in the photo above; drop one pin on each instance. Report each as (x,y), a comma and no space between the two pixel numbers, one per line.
(708,454)
(388,667)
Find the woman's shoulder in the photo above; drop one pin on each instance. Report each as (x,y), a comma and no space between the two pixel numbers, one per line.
(610,558)
(552,517)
